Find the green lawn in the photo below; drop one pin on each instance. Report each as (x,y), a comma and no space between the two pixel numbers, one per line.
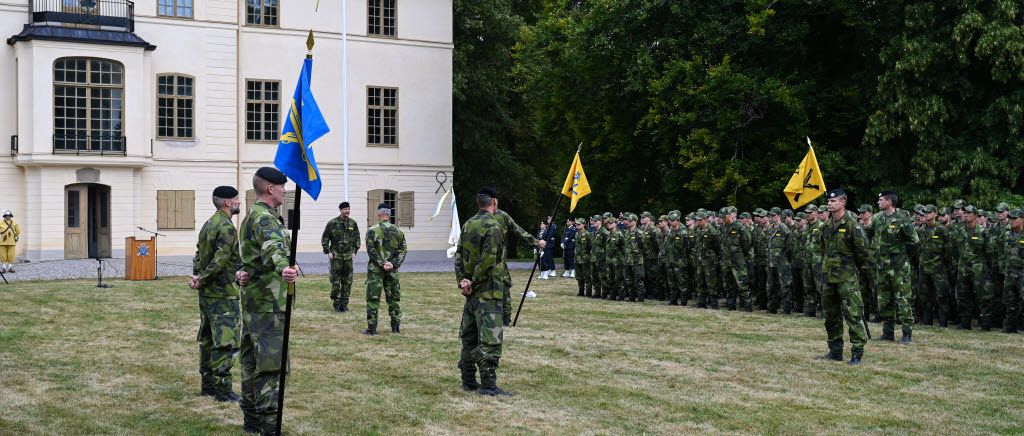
(75,359)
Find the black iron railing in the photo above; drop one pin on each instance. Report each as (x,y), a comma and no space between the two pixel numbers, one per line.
(14,145)
(103,14)
(103,145)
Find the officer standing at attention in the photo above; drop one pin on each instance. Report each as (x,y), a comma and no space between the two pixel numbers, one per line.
(478,264)
(341,240)
(9,233)
(214,273)
(264,278)
(385,244)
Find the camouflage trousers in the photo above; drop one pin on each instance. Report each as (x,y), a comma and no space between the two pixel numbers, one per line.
(376,282)
(737,290)
(615,288)
(341,280)
(653,278)
(596,271)
(935,297)
(759,285)
(812,289)
(779,287)
(707,284)
(260,358)
(998,309)
(678,284)
(583,278)
(798,287)
(974,291)
(1013,291)
(218,342)
(633,278)
(481,333)
(841,302)
(894,298)
(868,289)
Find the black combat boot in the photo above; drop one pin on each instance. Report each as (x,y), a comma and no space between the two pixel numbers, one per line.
(965,323)
(468,371)
(395,329)
(714,303)
(488,379)
(835,352)
(888,332)
(748,308)
(337,308)
(370,330)
(701,303)
(856,357)
(1011,326)
(906,337)
(809,314)
(344,308)
(227,397)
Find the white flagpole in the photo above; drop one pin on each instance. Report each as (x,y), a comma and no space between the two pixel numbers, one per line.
(344,88)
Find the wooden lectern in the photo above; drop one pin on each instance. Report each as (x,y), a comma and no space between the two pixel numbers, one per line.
(139,258)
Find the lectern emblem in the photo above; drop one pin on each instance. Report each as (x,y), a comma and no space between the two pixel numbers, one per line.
(143,250)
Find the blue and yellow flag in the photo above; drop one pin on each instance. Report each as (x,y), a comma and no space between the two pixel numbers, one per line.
(304,125)
(576,185)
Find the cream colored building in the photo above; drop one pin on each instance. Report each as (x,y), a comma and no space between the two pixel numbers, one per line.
(124,115)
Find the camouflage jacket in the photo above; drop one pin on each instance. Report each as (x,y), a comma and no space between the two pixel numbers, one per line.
(975,249)
(615,247)
(385,242)
(584,240)
(777,245)
(664,237)
(634,246)
(936,250)
(1012,253)
(652,242)
(480,256)
(598,249)
(217,257)
(797,242)
(998,235)
(812,243)
(509,227)
(708,243)
(735,245)
(844,248)
(341,237)
(760,244)
(265,248)
(676,247)
(893,238)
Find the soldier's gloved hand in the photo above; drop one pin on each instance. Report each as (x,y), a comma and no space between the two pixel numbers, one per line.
(243,277)
(563,246)
(330,256)
(289,274)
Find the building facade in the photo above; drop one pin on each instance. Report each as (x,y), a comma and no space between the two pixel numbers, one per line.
(124,115)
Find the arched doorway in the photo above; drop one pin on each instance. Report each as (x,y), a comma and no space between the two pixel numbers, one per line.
(87,221)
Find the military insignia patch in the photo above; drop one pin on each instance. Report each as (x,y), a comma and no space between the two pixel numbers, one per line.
(264,222)
(231,231)
(842,230)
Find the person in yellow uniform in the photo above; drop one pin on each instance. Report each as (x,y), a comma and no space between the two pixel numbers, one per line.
(9,233)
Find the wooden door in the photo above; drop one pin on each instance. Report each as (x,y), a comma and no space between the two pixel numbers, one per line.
(103,226)
(76,222)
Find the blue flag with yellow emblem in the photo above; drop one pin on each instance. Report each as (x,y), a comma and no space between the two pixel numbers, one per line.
(304,125)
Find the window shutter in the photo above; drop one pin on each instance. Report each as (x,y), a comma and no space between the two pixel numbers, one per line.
(162,210)
(188,210)
(250,198)
(373,198)
(407,209)
(289,204)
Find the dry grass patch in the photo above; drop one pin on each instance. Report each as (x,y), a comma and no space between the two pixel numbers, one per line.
(80,360)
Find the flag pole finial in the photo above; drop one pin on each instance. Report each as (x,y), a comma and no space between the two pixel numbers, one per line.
(809,142)
(309,45)
(579,147)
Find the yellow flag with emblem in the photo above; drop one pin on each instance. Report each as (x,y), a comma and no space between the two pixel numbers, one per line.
(807,182)
(576,185)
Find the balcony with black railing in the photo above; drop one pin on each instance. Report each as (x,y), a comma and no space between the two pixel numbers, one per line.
(84,14)
(95,145)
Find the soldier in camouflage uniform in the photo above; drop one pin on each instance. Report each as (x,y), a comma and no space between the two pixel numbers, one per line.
(869,271)
(264,277)
(663,231)
(780,272)
(999,227)
(799,256)
(760,282)
(1013,264)
(955,227)
(478,270)
(974,286)
(213,275)
(735,243)
(509,227)
(583,240)
(385,244)
(675,262)
(633,268)
(936,260)
(598,250)
(341,240)
(615,256)
(843,247)
(652,243)
(812,269)
(894,239)
(707,244)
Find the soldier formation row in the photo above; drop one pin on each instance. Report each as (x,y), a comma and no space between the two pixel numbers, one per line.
(950,266)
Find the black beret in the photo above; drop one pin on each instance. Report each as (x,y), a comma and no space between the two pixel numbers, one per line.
(225,192)
(835,193)
(887,192)
(488,191)
(272,175)
(383,206)
(343,205)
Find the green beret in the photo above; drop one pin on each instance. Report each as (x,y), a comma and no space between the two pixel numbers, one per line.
(745,215)
(647,215)
(663,218)
(959,204)
(673,216)
(1002,207)
(866,208)
(1017,213)
(775,211)
(801,216)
